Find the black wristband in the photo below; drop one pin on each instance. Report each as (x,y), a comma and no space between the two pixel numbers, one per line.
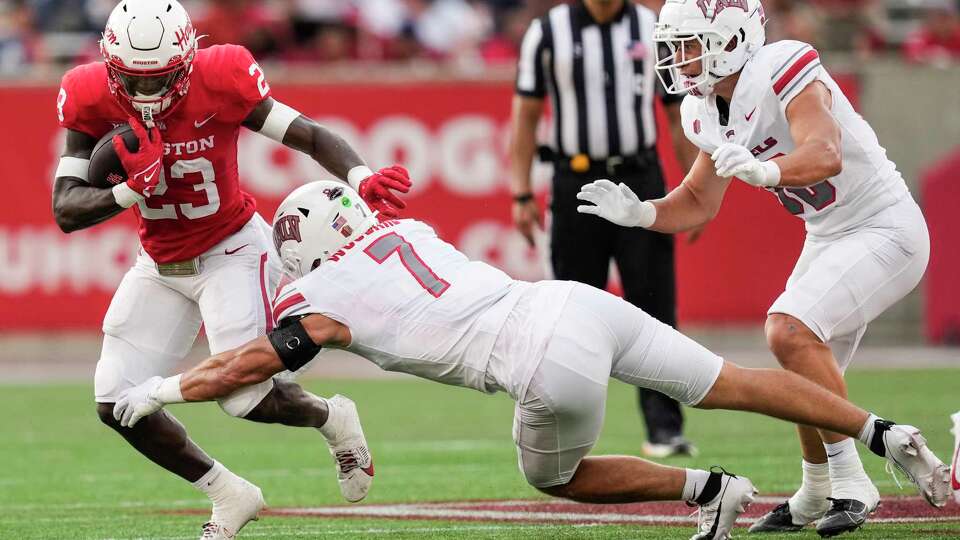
(523,198)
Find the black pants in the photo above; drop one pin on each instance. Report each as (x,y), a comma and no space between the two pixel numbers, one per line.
(581,246)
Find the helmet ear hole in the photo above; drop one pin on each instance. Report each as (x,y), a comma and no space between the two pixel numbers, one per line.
(734,41)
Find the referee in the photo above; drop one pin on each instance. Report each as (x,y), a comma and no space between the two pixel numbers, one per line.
(596,60)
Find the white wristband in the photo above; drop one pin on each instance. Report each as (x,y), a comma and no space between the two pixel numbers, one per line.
(358,174)
(771,176)
(169,390)
(125,195)
(646,214)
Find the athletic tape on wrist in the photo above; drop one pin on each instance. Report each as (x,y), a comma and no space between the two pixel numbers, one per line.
(648,214)
(73,166)
(358,174)
(125,195)
(772,171)
(169,390)
(278,120)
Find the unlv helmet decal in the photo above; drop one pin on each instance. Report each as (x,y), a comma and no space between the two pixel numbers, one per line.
(286,228)
(715,10)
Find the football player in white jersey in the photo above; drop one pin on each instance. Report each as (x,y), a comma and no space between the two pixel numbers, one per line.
(773,117)
(395,293)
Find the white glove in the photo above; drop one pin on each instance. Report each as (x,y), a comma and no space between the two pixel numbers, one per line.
(617,204)
(139,401)
(735,160)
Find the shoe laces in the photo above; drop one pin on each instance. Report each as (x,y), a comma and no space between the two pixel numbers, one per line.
(348,460)
(210,529)
(892,471)
(840,505)
(781,508)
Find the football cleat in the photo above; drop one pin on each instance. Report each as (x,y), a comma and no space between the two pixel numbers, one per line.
(906,449)
(233,509)
(348,447)
(845,515)
(777,520)
(716,517)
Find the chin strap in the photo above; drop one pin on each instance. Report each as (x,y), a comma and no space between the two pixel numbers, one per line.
(147,114)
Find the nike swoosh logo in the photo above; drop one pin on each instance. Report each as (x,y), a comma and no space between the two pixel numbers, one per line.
(148,178)
(834,455)
(749,116)
(232,251)
(199,125)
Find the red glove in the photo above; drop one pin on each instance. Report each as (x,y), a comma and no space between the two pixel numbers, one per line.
(144,166)
(375,190)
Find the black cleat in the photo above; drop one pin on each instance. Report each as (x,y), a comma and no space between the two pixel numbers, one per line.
(845,515)
(777,520)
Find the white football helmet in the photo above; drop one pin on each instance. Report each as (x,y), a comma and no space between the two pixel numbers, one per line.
(148,46)
(316,220)
(729,33)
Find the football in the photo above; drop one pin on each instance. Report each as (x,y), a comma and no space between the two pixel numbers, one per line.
(105,169)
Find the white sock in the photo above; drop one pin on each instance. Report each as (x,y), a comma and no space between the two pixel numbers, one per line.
(810,501)
(213,482)
(693,485)
(847,476)
(331,428)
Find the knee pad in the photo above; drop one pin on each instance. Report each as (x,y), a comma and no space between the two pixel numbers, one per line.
(244,400)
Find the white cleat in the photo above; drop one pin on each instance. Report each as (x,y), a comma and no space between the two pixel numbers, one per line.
(716,518)
(954,472)
(348,446)
(233,509)
(906,449)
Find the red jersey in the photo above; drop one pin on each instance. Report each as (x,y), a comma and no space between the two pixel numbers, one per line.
(201,203)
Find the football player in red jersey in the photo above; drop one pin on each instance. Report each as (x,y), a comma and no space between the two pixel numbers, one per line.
(204,256)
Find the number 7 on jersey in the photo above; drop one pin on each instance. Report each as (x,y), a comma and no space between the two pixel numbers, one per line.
(382,248)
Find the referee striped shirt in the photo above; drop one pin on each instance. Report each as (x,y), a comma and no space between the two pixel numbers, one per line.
(600,78)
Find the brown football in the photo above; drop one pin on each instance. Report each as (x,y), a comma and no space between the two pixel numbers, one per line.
(105,169)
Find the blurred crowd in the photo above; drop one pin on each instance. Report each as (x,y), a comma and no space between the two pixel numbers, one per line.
(463,34)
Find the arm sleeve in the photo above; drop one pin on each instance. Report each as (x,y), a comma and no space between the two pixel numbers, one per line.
(530,69)
(800,68)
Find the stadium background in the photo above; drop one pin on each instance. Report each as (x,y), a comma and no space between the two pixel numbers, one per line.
(428,84)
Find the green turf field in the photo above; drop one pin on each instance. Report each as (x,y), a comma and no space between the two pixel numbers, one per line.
(65,476)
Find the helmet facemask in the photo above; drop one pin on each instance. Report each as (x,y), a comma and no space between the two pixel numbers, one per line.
(715,65)
(150,93)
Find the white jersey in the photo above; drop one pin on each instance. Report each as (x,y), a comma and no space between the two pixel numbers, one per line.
(412,302)
(778,72)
